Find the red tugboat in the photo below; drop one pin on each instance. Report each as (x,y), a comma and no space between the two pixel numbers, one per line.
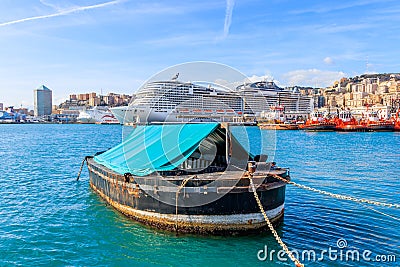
(318,123)
(396,121)
(347,123)
(374,124)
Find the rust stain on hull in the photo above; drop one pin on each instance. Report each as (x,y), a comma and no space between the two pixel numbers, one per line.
(171,223)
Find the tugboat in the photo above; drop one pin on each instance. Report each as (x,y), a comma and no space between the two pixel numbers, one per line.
(373,123)
(275,120)
(189,178)
(318,123)
(347,123)
(396,121)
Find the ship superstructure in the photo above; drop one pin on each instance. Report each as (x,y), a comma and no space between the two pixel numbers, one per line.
(176,101)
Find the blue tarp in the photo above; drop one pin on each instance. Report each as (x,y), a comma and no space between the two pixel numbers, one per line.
(153,148)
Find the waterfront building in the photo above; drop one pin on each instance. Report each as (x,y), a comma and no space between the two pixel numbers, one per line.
(364,91)
(42,101)
(92,99)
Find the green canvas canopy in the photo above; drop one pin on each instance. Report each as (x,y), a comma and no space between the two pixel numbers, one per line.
(153,148)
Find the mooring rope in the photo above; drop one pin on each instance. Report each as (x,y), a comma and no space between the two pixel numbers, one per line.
(184,182)
(271,227)
(382,213)
(83,163)
(80,170)
(338,196)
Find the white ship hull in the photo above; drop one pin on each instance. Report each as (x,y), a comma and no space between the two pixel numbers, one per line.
(132,114)
(97,115)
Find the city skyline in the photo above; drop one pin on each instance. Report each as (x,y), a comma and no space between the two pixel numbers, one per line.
(114,46)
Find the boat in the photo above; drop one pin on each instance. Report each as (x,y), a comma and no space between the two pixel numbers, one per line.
(98,115)
(11,116)
(85,118)
(278,126)
(373,123)
(345,122)
(108,118)
(275,119)
(396,121)
(189,178)
(318,123)
(6,117)
(161,100)
(397,126)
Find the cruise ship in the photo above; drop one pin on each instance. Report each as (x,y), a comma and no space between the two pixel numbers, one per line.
(176,101)
(261,97)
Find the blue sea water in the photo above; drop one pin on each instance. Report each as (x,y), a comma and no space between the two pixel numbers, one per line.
(47,218)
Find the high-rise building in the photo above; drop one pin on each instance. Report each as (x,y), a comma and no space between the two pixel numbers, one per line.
(42,101)
(1,106)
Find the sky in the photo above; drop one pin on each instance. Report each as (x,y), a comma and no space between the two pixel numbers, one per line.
(105,46)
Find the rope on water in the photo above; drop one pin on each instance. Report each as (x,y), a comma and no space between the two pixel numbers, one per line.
(338,196)
(271,227)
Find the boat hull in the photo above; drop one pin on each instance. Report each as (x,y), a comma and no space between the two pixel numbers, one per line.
(83,120)
(280,126)
(234,212)
(323,127)
(386,127)
(352,128)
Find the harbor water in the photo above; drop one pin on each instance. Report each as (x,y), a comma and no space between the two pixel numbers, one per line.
(47,218)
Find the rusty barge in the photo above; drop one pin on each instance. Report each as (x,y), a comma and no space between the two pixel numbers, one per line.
(189,178)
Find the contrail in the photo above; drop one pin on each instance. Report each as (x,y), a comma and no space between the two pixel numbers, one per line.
(228,16)
(50,5)
(64,12)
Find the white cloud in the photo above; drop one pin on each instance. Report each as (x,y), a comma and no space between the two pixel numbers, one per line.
(328,60)
(312,77)
(63,12)
(228,16)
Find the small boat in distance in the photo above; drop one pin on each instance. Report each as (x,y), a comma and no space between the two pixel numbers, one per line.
(275,119)
(85,117)
(318,123)
(193,178)
(374,124)
(278,126)
(98,115)
(396,121)
(346,122)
